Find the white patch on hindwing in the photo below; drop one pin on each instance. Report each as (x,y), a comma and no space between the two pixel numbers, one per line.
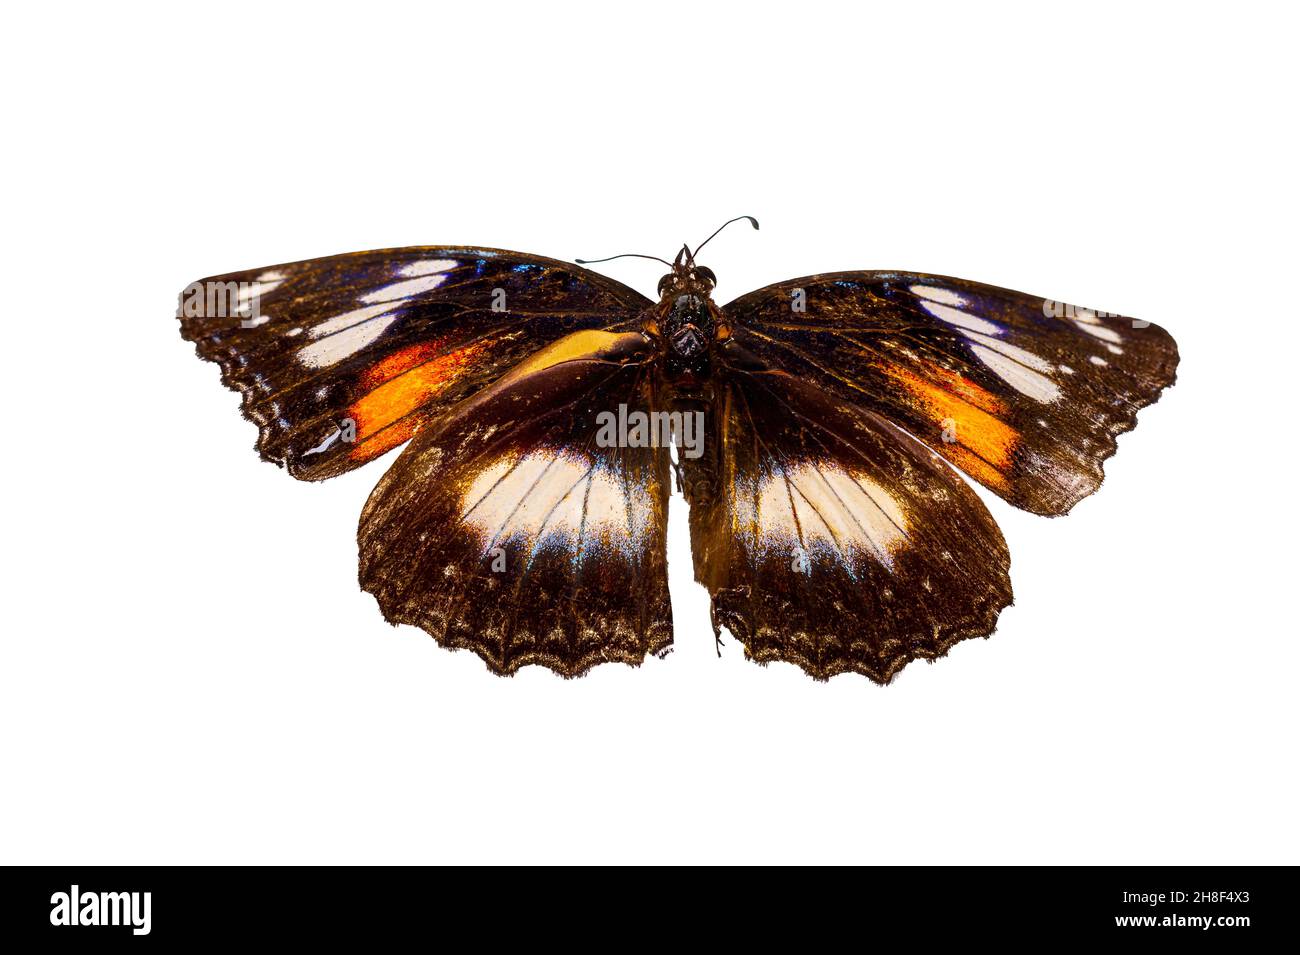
(557,499)
(822,509)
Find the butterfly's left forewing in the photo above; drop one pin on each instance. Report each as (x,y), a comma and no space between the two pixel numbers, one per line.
(341,359)
(1024,394)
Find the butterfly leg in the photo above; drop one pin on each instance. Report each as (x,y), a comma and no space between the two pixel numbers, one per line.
(717,629)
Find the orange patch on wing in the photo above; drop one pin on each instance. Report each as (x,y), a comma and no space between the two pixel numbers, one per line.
(384,441)
(401,384)
(975,466)
(398,363)
(982,444)
(966,389)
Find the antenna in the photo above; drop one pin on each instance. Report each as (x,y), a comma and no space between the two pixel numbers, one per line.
(624,255)
(752,221)
(690,256)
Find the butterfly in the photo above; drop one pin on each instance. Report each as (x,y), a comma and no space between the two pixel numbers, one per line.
(819,423)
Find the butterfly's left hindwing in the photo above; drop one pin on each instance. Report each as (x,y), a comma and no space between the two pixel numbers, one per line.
(341,359)
(1024,394)
(514,527)
(834,540)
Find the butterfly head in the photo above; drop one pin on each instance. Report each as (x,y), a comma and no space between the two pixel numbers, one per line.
(686,278)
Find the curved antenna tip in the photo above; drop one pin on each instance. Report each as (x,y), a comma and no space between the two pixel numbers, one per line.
(752,221)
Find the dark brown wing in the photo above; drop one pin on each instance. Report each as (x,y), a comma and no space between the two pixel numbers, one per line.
(343,358)
(1025,395)
(509,527)
(835,540)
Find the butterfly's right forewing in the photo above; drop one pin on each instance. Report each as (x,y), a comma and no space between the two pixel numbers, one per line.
(1024,394)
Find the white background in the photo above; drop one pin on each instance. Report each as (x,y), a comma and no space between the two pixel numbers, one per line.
(189,671)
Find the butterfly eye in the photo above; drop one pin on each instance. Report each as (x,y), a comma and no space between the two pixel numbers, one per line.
(706,275)
(667,282)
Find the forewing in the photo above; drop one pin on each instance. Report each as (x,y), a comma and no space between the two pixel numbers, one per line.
(1024,394)
(836,541)
(341,359)
(512,528)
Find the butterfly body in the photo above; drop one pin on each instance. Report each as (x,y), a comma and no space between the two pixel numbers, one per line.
(525,519)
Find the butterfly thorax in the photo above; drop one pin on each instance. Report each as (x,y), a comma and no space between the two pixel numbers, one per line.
(687,331)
